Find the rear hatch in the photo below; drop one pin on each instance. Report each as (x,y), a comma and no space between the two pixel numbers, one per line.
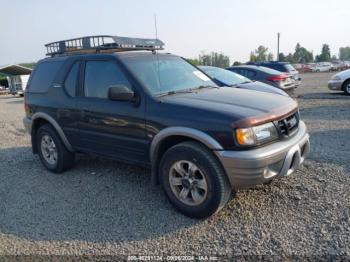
(288,82)
(284,81)
(292,72)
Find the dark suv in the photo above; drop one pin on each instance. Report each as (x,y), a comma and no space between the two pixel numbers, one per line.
(282,67)
(157,110)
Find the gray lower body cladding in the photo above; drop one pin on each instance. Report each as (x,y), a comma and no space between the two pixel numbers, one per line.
(253,167)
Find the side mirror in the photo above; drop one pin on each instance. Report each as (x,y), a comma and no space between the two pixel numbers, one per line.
(120,93)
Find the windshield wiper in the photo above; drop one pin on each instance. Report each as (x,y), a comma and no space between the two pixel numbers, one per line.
(189,90)
(204,86)
(177,92)
(236,85)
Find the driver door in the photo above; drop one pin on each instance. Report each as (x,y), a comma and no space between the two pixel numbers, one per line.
(106,127)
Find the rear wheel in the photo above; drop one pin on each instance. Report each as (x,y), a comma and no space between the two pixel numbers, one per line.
(346,87)
(53,153)
(193,180)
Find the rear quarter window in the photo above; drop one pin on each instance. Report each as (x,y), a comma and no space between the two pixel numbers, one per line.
(289,68)
(269,70)
(277,67)
(43,76)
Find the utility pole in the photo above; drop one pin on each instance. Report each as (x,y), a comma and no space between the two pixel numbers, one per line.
(278,46)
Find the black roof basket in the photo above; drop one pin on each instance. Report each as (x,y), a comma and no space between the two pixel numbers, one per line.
(103,44)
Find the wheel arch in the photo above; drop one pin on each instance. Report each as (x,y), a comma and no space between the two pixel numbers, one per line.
(40,119)
(171,136)
(344,84)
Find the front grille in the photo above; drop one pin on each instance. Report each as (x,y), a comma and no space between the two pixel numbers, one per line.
(289,125)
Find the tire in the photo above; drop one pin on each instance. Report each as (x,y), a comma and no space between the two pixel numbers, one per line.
(346,87)
(56,163)
(206,169)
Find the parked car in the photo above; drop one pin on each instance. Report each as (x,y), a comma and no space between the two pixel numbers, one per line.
(340,81)
(282,67)
(201,141)
(266,75)
(322,67)
(338,66)
(306,68)
(224,77)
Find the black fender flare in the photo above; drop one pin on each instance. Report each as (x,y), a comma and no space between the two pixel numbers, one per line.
(191,133)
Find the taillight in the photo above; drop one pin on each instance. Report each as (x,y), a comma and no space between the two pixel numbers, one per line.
(276,78)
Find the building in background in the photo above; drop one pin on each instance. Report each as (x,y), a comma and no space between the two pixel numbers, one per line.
(17,77)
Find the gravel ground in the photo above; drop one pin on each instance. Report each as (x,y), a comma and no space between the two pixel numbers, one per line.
(103,207)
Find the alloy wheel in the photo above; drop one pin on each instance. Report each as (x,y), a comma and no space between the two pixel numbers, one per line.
(49,150)
(188,183)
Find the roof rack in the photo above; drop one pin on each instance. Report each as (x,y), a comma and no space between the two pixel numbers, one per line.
(102,44)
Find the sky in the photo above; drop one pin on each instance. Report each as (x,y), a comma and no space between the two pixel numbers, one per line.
(234,27)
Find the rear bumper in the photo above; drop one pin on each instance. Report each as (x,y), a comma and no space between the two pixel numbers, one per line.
(289,86)
(335,84)
(253,167)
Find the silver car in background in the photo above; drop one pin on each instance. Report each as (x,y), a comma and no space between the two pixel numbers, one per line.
(340,81)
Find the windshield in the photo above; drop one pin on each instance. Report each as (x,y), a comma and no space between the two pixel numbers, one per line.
(224,76)
(166,73)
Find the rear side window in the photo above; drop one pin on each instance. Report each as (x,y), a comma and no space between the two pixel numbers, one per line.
(43,76)
(237,71)
(100,75)
(248,73)
(71,81)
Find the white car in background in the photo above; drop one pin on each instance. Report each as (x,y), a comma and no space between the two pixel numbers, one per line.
(322,67)
(340,81)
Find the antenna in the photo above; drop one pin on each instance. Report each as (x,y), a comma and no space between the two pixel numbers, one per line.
(156,53)
(155,25)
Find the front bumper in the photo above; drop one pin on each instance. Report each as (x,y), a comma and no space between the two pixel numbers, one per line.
(27,122)
(335,84)
(254,167)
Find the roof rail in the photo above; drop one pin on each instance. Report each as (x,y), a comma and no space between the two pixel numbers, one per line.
(102,44)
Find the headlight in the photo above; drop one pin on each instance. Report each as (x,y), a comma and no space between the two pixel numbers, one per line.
(335,77)
(256,135)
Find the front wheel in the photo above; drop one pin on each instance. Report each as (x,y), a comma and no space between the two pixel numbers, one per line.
(194,180)
(346,88)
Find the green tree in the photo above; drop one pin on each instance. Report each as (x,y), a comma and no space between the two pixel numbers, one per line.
(325,55)
(290,58)
(237,63)
(302,55)
(344,53)
(270,56)
(193,61)
(214,59)
(281,57)
(261,53)
(252,57)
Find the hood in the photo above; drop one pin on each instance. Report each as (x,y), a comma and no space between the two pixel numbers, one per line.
(343,74)
(262,87)
(247,107)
